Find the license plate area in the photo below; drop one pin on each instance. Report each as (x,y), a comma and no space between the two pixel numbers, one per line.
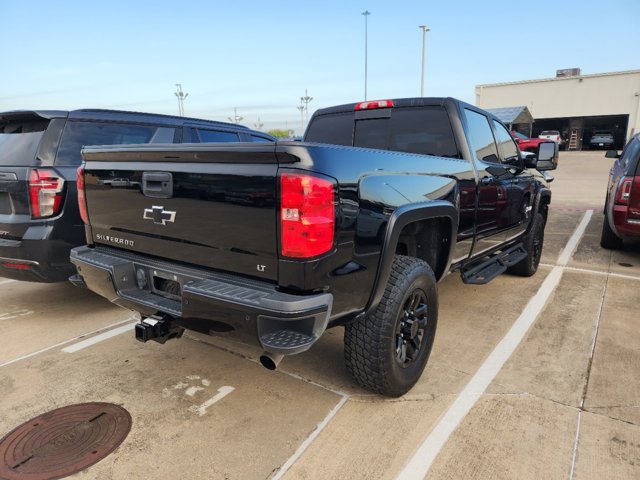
(165,284)
(5,204)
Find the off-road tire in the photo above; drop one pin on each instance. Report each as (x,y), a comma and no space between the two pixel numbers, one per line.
(533,243)
(373,347)
(608,239)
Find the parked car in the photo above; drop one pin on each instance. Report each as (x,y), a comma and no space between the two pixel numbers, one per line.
(622,205)
(601,140)
(552,135)
(525,143)
(309,236)
(39,155)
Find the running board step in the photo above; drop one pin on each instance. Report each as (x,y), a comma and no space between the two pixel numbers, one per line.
(487,270)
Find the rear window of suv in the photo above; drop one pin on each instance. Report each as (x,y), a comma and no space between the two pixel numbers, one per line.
(19,141)
(424,130)
(80,134)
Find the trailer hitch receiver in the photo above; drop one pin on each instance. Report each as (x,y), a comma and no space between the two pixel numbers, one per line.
(158,328)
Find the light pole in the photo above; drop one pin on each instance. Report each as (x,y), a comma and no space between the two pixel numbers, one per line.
(424,49)
(258,125)
(306,99)
(366,14)
(236,118)
(181,96)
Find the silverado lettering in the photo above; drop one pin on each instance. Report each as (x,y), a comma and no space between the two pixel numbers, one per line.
(116,240)
(341,236)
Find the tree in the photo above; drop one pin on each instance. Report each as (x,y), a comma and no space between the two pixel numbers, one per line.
(279,133)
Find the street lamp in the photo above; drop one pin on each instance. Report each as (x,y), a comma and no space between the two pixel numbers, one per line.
(236,118)
(181,96)
(306,99)
(424,48)
(366,14)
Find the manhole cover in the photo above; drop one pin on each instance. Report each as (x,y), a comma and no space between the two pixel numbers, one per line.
(63,441)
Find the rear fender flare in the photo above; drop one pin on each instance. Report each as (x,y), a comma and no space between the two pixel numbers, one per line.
(399,219)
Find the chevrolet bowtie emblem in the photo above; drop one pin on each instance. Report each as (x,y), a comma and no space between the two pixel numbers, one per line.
(159,215)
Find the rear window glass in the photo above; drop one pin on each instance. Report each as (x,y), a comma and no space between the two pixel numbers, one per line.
(550,132)
(415,130)
(80,134)
(629,158)
(336,129)
(424,130)
(19,141)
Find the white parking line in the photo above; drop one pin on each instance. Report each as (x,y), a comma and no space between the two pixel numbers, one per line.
(595,272)
(98,338)
(32,354)
(16,313)
(222,392)
(421,461)
(310,439)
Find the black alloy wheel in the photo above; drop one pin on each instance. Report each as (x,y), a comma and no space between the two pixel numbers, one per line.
(410,332)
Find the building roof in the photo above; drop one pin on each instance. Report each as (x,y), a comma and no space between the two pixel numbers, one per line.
(508,115)
(560,79)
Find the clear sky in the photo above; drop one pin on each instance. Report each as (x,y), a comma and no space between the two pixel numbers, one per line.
(260,56)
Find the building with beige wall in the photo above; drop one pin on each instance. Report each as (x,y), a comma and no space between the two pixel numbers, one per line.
(573,103)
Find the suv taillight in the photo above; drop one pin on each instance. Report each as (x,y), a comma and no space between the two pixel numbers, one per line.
(82,203)
(46,192)
(634,199)
(624,191)
(307,215)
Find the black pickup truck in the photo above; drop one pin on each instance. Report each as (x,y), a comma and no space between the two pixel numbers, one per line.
(275,243)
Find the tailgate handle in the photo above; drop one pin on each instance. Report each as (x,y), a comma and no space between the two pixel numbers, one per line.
(157,184)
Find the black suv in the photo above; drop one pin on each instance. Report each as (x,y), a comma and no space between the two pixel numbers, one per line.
(39,155)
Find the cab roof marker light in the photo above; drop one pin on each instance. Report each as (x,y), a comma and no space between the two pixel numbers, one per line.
(374,104)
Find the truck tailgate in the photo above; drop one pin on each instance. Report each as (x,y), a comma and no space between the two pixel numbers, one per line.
(207,205)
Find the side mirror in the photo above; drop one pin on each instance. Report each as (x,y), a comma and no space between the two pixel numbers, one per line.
(547,156)
(612,154)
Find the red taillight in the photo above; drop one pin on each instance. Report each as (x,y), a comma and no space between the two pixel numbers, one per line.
(46,191)
(374,104)
(82,203)
(16,266)
(307,215)
(624,191)
(634,199)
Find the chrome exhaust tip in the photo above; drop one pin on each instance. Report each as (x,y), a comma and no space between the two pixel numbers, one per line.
(270,361)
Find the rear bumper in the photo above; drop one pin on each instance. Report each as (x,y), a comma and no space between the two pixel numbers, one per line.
(251,310)
(624,226)
(37,260)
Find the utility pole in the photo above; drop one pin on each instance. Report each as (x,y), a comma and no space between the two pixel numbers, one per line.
(258,125)
(424,49)
(236,118)
(306,99)
(366,14)
(181,97)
